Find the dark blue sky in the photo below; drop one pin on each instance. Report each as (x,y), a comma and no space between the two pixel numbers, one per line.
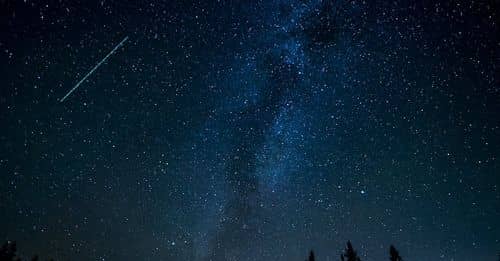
(250,130)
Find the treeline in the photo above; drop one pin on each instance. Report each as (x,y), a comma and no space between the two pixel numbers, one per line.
(8,252)
(9,249)
(350,254)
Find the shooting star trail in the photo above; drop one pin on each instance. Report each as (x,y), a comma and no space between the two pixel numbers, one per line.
(93,69)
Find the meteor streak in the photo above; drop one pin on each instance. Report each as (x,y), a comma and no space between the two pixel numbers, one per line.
(93,69)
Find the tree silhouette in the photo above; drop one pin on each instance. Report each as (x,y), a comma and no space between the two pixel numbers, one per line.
(349,253)
(311,256)
(8,251)
(394,254)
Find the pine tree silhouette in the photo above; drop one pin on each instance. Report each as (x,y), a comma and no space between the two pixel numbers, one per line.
(311,256)
(8,252)
(394,254)
(349,253)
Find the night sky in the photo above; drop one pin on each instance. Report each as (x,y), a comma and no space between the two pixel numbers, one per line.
(233,130)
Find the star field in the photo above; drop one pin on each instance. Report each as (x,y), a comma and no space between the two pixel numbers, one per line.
(250,130)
